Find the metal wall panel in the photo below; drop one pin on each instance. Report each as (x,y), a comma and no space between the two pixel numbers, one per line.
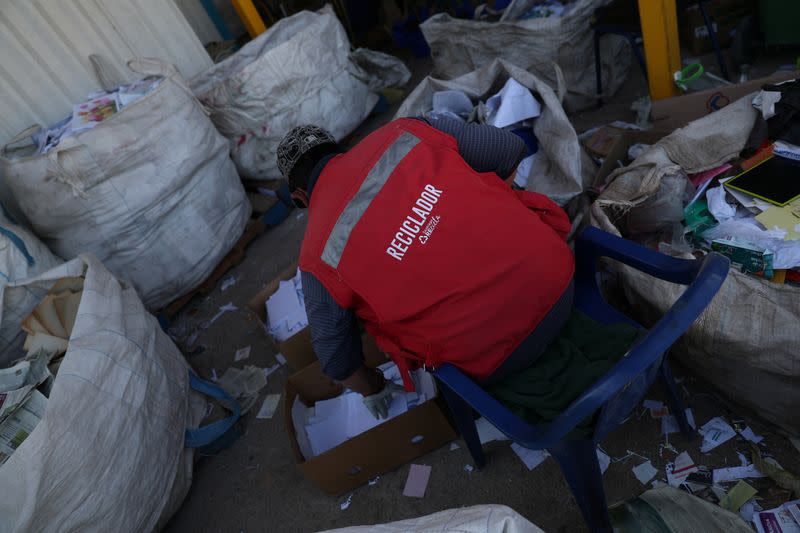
(45,44)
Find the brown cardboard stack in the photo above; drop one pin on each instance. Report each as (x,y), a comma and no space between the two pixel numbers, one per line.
(377,451)
(725,16)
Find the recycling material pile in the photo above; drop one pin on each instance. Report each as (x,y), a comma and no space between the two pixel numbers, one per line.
(693,192)
(25,384)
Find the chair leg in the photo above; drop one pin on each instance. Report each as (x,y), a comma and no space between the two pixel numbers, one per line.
(714,41)
(598,66)
(465,422)
(676,405)
(578,460)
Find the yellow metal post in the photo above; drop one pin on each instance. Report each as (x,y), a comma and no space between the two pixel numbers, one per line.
(661,47)
(252,21)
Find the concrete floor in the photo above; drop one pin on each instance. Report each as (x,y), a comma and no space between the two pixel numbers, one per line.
(255,486)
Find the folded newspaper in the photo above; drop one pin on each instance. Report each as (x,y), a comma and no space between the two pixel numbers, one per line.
(16,428)
(22,380)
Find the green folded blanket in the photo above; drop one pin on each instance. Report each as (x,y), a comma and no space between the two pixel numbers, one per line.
(580,355)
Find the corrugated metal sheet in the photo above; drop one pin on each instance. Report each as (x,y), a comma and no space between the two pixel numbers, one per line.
(45,44)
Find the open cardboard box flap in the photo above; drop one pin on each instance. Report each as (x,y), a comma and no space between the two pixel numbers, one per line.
(383,448)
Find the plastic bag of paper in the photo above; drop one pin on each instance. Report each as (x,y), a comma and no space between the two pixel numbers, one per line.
(459,46)
(297,72)
(745,343)
(475,519)
(108,454)
(22,255)
(557,166)
(151,191)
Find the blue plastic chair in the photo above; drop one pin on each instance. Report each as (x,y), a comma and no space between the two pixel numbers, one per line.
(612,398)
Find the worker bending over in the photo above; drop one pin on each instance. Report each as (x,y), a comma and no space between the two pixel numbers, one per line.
(414,232)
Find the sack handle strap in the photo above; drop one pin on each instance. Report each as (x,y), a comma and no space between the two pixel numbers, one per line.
(21,136)
(204,435)
(151,66)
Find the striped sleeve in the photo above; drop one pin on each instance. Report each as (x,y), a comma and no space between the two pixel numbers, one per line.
(334,331)
(484,148)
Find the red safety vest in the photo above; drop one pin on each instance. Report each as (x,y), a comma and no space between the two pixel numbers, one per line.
(442,263)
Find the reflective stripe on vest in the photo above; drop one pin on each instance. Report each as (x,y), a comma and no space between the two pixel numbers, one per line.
(358,205)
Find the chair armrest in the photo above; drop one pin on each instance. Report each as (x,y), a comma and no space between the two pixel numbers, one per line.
(594,243)
(510,424)
(687,308)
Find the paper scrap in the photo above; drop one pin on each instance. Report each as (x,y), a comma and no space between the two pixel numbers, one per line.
(652,404)
(374,481)
(721,475)
(227,283)
(269,406)
(749,508)
(214,377)
(487,432)
(669,424)
(644,472)
(468,468)
(242,353)
(270,369)
(794,508)
(748,434)
(782,218)
(514,103)
(737,497)
(531,458)
(715,432)
(604,459)
(417,481)
(680,469)
(280,358)
(222,310)
(661,412)
(346,503)
(778,520)
(454,446)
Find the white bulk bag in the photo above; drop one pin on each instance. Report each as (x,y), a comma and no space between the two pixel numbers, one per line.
(297,72)
(109,453)
(459,46)
(746,342)
(22,255)
(151,191)
(556,169)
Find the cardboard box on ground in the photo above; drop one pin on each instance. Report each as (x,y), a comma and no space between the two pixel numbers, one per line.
(670,114)
(383,448)
(725,16)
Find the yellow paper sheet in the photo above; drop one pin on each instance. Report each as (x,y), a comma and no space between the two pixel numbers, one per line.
(783,218)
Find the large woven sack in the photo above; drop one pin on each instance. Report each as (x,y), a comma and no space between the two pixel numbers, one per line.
(297,72)
(459,46)
(556,170)
(22,256)
(746,342)
(151,191)
(109,453)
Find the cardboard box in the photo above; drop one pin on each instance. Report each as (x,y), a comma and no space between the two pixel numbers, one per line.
(617,151)
(386,447)
(297,349)
(725,16)
(670,114)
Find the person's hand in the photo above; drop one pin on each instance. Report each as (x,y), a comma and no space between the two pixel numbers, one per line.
(378,403)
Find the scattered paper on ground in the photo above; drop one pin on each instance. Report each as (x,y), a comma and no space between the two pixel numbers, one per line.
(487,432)
(227,283)
(604,459)
(737,497)
(270,369)
(682,467)
(715,432)
(228,307)
(669,424)
(346,503)
(280,358)
(468,468)
(454,446)
(269,406)
(748,434)
(417,481)
(374,480)
(734,473)
(531,458)
(644,472)
(241,354)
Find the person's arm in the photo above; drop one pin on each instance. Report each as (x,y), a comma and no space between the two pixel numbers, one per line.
(336,340)
(484,148)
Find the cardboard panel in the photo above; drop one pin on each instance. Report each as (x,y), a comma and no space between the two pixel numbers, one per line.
(375,452)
